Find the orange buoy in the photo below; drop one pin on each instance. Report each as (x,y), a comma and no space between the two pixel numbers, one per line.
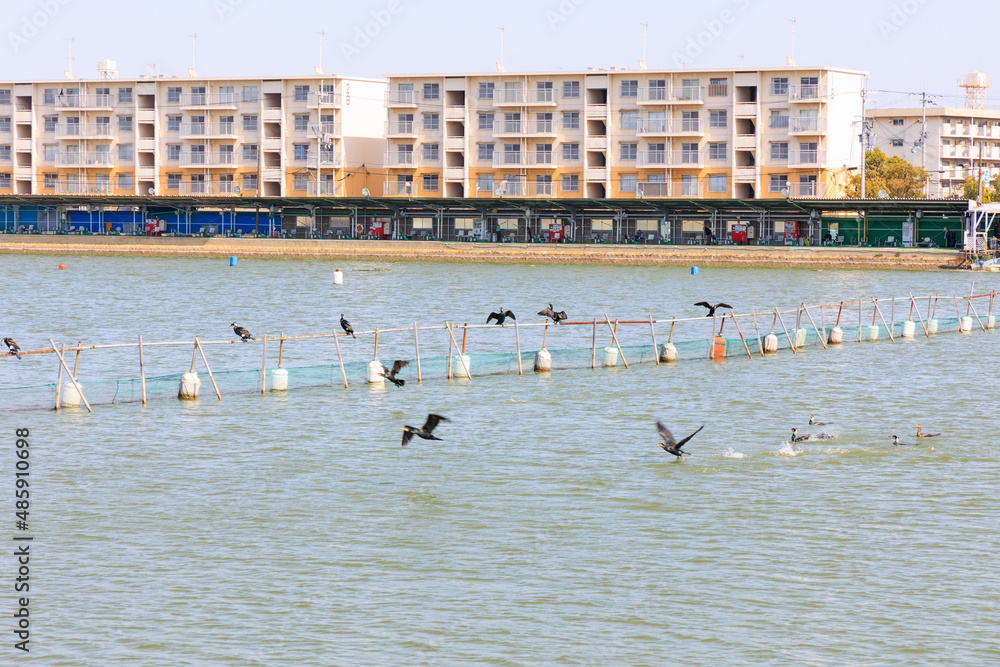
(62,267)
(719,348)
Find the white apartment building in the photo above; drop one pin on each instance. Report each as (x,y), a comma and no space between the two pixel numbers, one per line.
(715,133)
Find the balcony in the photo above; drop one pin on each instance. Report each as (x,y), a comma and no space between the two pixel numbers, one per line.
(327,189)
(654,158)
(317,100)
(745,109)
(202,188)
(401,98)
(208,131)
(811,92)
(454,143)
(682,188)
(540,160)
(330,130)
(508,128)
(83,187)
(807,125)
(397,188)
(509,159)
(804,189)
(211,100)
(400,129)
(83,130)
(507,96)
(454,173)
(82,102)
(669,126)
(685,95)
(195,160)
(746,142)
(655,95)
(745,174)
(88,159)
(596,112)
(806,158)
(454,112)
(400,159)
(542,128)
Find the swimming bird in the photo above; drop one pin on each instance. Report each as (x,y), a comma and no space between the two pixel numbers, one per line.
(798,438)
(425,430)
(815,422)
(12,346)
(390,375)
(241,332)
(899,443)
(347,326)
(670,445)
(501,316)
(711,308)
(921,434)
(553,315)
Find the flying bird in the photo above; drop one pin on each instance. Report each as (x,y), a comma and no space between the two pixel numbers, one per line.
(501,316)
(921,434)
(347,326)
(670,445)
(241,332)
(899,443)
(425,430)
(711,308)
(553,315)
(390,375)
(815,422)
(12,346)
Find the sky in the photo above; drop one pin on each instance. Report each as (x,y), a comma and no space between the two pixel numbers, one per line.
(905,45)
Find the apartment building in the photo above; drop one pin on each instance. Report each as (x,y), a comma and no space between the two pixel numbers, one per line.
(951,144)
(718,133)
(291,136)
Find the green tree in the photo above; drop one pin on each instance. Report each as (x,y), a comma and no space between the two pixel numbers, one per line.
(895,175)
(991,190)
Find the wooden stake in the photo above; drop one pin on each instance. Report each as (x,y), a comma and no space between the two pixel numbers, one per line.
(934,311)
(839,311)
(958,313)
(740,332)
(614,338)
(205,359)
(281,348)
(465,332)
(672,323)
(757,329)
(859,319)
(62,360)
(76,365)
(416,347)
(461,357)
(822,321)
(263,367)
(545,335)
(517,337)
(892,312)
(449,354)
(777,317)
(340,357)
(913,306)
(813,322)
(652,332)
(878,311)
(59,380)
(593,348)
(375,353)
(194,355)
(142,371)
(983,326)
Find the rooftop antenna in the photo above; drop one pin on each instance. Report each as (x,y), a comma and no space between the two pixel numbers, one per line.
(642,63)
(69,72)
(319,68)
(191,72)
(741,59)
(791,58)
(500,64)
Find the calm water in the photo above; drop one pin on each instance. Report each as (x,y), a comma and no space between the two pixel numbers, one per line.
(548,527)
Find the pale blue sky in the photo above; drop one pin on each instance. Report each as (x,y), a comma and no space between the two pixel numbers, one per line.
(904,44)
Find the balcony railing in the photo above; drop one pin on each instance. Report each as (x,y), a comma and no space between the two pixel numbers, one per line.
(208,100)
(808,92)
(227,187)
(82,187)
(318,99)
(653,94)
(508,158)
(326,189)
(778,122)
(502,127)
(397,128)
(73,130)
(805,157)
(541,127)
(324,129)
(208,130)
(397,188)
(652,158)
(807,125)
(401,97)
(399,159)
(675,188)
(88,159)
(804,189)
(192,159)
(64,101)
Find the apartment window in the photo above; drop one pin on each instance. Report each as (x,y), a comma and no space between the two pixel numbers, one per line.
(173,123)
(197,154)
(657,89)
(4,181)
(807,186)
(225,183)
(512,123)
(249,181)
(432,121)
(627,183)
(689,121)
(570,183)
(896,143)
(486,90)
(51,181)
(629,151)
(125,181)
(486,152)
(103,96)
(690,89)
(778,182)
(689,153)
(404,153)
(432,151)
(73,126)
(48,96)
(571,90)
(226,124)
(174,95)
(897,122)
(629,120)
(810,87)
(571,120)
(656,153)
(718,87)
(4,95)
(327,154)
(49,152)
(779,85)
(571,151)
(484,183)
(543,122)
(227,95)
(512,153)
(4,123)
(808,152)
(718,118)
(125,152)
(689,186)
(405,123)
(512,91)
(544,91)
(173,181)
(173,152)
(717,150)
(432,91)
(50,123)
(301,121)
(301,151)
(301,94)
(124,123)
(250,152)
(630,88)
(250,94)
(716,182)
(5,154)
(103,155)
(103,124)
(778,118)
(543,154)
(301,182)
(124,96)
(431,181)
(779,150)
(486,121)
(226,154)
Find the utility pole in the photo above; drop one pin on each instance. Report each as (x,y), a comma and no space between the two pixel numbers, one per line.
(864,137)
(979,176)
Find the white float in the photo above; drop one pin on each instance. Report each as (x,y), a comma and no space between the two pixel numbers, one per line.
(800,337)
(668,352)
(770,343)
(543,361)
(836,336)
(190,384)
(991,321)
(375,372)
(909,328)
(460,368)
(611,356)
(873,332)
(279,379)
(965,324)
(932,326)
(338,277)
(69,397)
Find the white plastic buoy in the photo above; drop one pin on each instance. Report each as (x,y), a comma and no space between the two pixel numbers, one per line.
(991,321)
(770,343)
(375,372)
(543,360)
(460,368)
(932,326)
(800,337)
(668,352)
(965,325)
(338,277)
(190,384)
(279,379)
(909,328)
(70,397)
(611,356)
(836,336)
(873,332)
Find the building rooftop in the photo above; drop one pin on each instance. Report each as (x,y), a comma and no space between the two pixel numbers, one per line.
(619,70)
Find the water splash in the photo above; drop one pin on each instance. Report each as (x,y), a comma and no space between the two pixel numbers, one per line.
(788,450)
(730,453)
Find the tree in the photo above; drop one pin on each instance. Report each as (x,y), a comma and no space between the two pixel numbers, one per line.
(991,189)
(895,175)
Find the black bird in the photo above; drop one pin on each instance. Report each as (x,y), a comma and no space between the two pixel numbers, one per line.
(501,316)
(241,332)
(669,444)
(799,438)
(711,308)
(390,375)
(12,346)
(553,315)
(921,434)
(899,443)
(814,422)
(347,326)
(425,430)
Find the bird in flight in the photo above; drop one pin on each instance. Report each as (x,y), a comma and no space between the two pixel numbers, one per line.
(12,346)
(346,326)
(501,316)
(711,308)
(553,315)
(425,430)
(670,445)
(921,434)
(390,375)
(815,422)
(899,443)
(241,332)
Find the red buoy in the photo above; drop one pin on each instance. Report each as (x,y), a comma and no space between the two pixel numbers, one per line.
(62,267)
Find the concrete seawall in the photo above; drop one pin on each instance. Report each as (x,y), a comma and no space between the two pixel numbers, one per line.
(764,256)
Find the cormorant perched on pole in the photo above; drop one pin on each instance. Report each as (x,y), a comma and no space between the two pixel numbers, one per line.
(501,316)
(347,326)
(425,430)
(390,375)
(553,315)
(669,444)
(241,332)
(12,346)
(711,308)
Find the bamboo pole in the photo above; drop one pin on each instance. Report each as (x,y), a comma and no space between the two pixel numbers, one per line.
(958,313)
(205,359)
(673,323)
(517,338)
(614,338)
(76,385)
(839,311)
(740,332)
(860,307)
(652,332)
(992,295)
(76,364)
(461,356)
(878,311)
(914,307)
(281,348)
(798,319)
(892,312)
(194,355)
(263,368)
(340,358)
(813,322)
(711,339)
(783,328)
(59,381)
(593,348)
(545,335)
(465,332)
(971,305)
(757,329)
(142,371)
(375,351)
(934,312)
(449,354)
(416,347)
(822,321)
